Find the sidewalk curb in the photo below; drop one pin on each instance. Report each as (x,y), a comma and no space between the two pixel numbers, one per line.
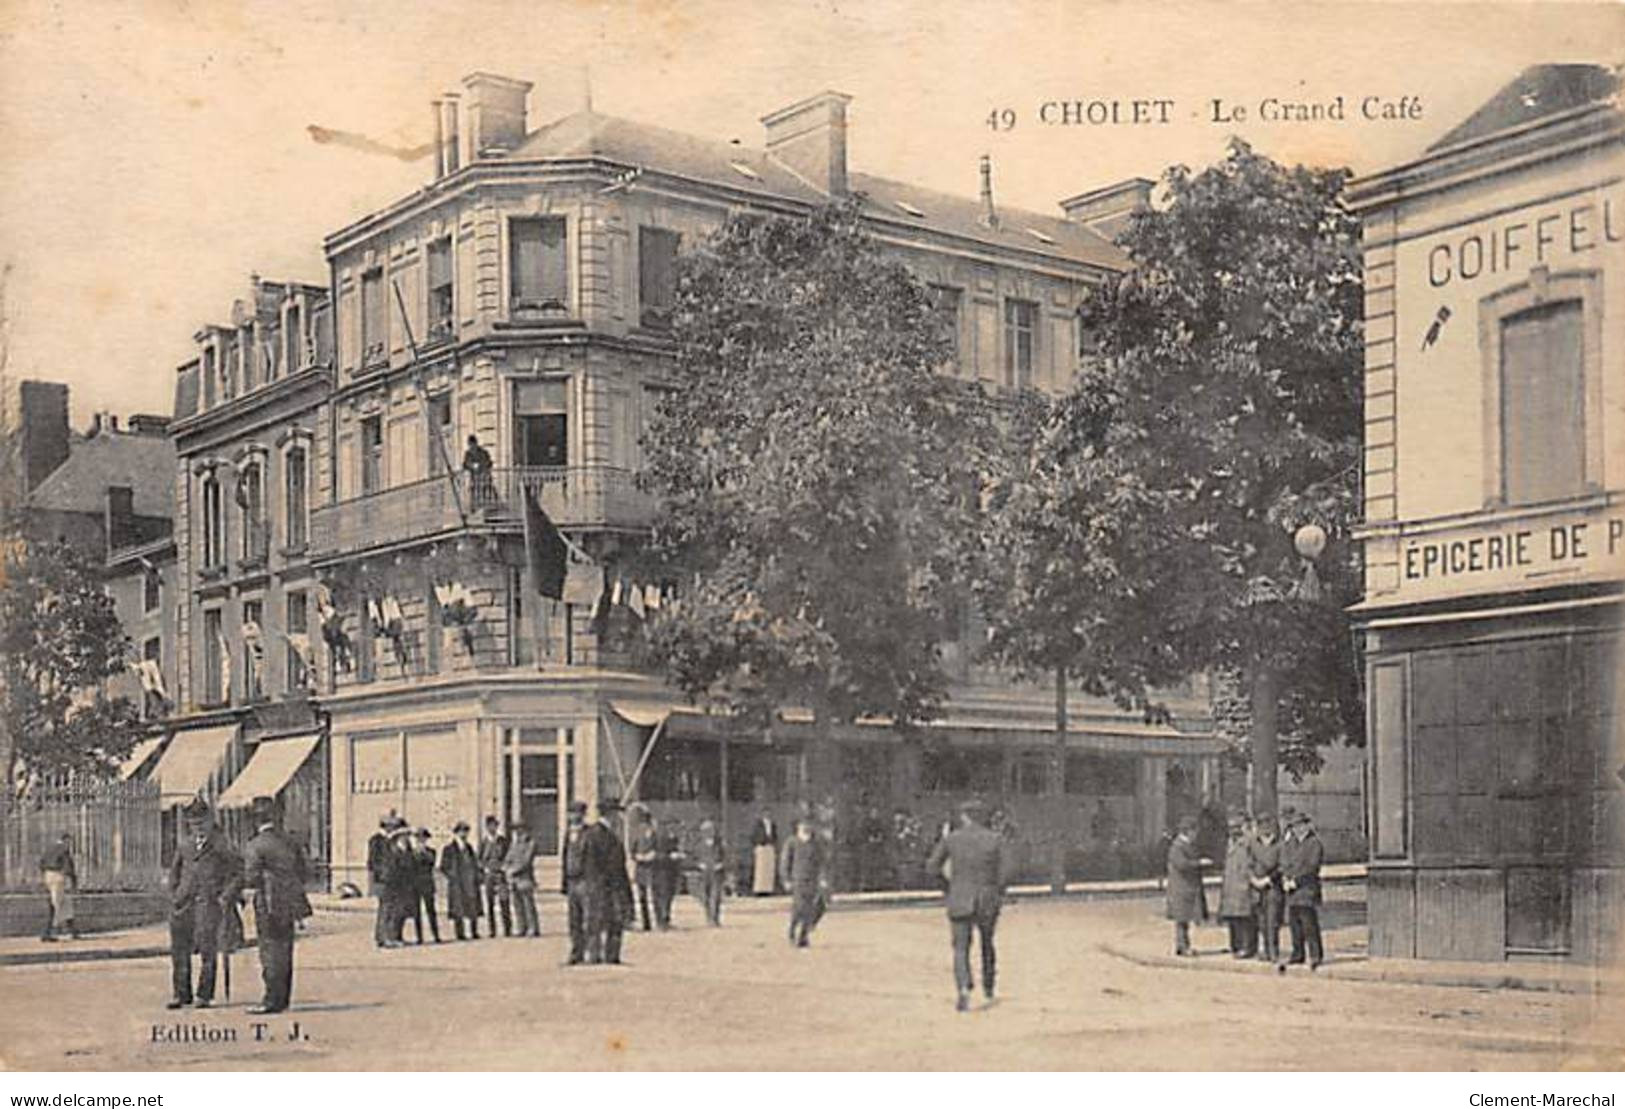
(1375,971)
(90,954)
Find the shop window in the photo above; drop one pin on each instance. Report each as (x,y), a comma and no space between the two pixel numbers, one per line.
(1031,771)
(953,771)
(757,776)
(1100,774)
(682,771)
(539,272)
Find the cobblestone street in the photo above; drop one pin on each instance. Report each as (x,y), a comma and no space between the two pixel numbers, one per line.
(873,992)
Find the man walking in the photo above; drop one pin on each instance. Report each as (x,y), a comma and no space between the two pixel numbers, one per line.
(61,880)
(274,867)
(519,867)
(1301,856)
(608,855)
(204,882)
(460,866)
(711,855)
(664,871)
(804,865)
(493,853)
(975,858)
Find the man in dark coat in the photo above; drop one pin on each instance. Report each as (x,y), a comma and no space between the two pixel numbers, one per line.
(378,847)
(460,866)
(804,868)
(1301,856)
(274,868)
(643,861)
(401,884)
(423,889)
(608,856)
(1236,894)
(1184,884)
(493,851)
(477,465)
(665,870)
(580,891)
(204,882)
(1269,900)
(975,858)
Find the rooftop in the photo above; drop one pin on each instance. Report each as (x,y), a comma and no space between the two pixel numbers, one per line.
(1537,92)
(144,463)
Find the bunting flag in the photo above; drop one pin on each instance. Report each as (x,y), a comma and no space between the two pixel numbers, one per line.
(583,583)
(615,593)
(152,677)
(546,556)
(390,609)
(374,613)
(252,638)
(634,600)
(651,597)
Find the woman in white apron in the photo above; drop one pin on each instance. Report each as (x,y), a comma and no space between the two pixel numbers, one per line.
(764,855)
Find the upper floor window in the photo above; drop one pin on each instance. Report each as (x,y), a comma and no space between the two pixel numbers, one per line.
(298,640)
(945,301)
(151,589)
(1020,340)
(296,500)
(152,661)
(1543,440)
(442,435)
(242,361)
(214,521)
(374,317)
(251,499)
(440,289)
(293,354)
(271,352)
(657,275)
(216,666)
(253,628)
(539,272)
(372,454)
(321,336)
(209,369)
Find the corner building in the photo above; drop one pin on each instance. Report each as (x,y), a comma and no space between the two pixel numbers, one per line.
(522,297)
(1494,531)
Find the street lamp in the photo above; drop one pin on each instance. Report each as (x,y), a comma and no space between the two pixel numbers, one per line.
(1310,542)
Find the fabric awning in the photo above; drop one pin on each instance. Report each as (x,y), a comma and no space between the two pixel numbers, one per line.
(646,716)
(138,756)
(273,765)
(188,762)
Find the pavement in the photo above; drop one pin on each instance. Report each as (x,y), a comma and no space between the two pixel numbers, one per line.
(1149,944)
(873,992)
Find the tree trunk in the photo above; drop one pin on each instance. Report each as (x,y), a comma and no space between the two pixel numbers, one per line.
(1266,745)
(1057,881)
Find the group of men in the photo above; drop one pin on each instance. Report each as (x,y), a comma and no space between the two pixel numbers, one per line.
(207,881)
(402,865)
(1271,870)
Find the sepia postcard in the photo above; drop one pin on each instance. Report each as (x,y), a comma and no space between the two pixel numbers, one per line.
(812,536)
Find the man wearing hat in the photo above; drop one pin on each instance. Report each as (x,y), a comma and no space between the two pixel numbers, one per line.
(61,879)
(974,855)
(804,864)
(423,891)
(1236,894)
(378,847)
(1264,869)
(204,882)
(580,891)
(1301,856)
(609,860)
(460,866)
(519,867)
(1185,902)
(400,883)
(493,853)
(274,868)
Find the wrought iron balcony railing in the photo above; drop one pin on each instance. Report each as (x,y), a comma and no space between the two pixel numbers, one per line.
(578,496)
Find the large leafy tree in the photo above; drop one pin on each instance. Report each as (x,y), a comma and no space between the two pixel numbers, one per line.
(1230,367)
(60,639)
(818,477)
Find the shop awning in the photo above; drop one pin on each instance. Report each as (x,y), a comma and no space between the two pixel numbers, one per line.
(191,758)
(273,765)
(138,757)
(647,716)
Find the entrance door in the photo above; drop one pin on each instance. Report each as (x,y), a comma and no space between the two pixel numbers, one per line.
(538,773)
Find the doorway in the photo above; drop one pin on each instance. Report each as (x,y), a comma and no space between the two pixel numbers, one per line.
(538,775)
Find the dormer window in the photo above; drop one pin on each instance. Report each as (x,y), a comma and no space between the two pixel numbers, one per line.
(539,272)
(293,354)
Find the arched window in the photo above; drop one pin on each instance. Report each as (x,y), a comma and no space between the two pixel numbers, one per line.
(251,499)
(296,498)
(214,521)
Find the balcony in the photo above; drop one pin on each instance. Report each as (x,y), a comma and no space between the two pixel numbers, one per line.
(572,496)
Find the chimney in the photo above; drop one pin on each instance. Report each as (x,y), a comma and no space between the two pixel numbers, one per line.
(41,428)
(1107,210)
(454,141)
(990,214)
(145,424)
(437,107)
(101,423)
(118,518)
(809,139)
(496,113)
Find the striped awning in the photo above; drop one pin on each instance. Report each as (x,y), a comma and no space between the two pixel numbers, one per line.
(138,757)
(273,765)
(189,761)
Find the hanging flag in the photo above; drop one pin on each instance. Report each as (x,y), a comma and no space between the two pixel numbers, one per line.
(651,597)
(374,613)
(444,595)
(634,599)
(252,638)
(583,583)
(615,594)
(225,663)
(154,676)
(546,556)
(390,609)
